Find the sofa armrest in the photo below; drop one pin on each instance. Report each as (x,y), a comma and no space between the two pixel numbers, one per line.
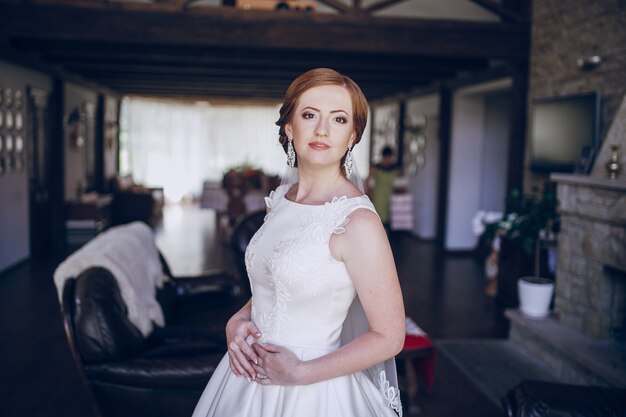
(184,336)
(181,345)
(211,287)
(550,399)
(165,373)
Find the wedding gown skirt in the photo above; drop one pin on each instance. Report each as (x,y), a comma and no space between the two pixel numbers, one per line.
(301,298)
(347,396)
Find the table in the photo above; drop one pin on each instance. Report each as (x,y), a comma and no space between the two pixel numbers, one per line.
(87,217)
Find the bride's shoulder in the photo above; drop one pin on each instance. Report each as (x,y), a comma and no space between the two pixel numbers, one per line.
(358,212)
(349,190)
(359,223)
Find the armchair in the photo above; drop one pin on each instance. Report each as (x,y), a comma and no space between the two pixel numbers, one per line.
(245,227)
(164,373)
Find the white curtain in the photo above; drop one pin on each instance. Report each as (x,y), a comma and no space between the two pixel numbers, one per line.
(180,145)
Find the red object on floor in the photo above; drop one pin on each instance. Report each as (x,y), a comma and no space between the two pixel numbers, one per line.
(424,359)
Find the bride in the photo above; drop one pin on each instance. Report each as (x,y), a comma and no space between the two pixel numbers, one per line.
(326,317)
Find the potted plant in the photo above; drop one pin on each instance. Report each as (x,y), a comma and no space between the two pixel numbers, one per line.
(534,230)
(529,229)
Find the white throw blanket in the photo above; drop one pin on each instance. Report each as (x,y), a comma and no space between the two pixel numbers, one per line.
(130,254)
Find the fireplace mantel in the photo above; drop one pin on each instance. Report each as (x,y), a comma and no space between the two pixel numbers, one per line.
(618,184)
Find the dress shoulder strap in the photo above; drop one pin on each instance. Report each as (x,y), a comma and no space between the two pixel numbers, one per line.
(345,207)
(276,195)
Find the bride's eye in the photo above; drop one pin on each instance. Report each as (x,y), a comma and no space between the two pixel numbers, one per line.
(341,119)
(308,115)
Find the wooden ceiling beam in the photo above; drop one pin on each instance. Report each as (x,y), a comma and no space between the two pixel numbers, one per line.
(238,83)
(95,69)
(169,6)
(337,5)
(501,11)
(211,67)
(174,85)
(224,52)
(294,63)
(237,89)
(200,94)
(78,52)
(381,5)
(179,4)
(231,28)
(164,91)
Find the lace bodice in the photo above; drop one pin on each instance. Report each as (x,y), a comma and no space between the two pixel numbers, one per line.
(301,294)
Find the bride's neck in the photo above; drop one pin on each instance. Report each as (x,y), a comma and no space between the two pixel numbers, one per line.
(318,186)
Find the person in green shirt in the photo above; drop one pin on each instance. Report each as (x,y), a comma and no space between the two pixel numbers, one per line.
(380,183)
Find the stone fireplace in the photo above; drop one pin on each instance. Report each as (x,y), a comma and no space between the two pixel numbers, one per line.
(591,273)
(583,341)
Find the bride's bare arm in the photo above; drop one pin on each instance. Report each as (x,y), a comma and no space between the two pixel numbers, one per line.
(365,250)
(240,353)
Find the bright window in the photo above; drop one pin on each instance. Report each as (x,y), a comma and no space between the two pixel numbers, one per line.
(179,145)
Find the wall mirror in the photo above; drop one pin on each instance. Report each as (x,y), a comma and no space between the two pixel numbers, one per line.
(8,143)
(415,142)
(8,120)
(19,99)
(19,121)
(19,144)
(8,97)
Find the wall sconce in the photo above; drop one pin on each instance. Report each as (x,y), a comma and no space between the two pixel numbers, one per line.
(589,63)
(74,123)
(415,143)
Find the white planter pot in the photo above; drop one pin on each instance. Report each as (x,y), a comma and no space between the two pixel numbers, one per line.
(535,295)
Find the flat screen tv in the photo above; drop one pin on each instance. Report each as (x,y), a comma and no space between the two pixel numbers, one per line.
(564,132)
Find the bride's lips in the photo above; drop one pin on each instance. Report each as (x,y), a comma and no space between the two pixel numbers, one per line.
(319,146)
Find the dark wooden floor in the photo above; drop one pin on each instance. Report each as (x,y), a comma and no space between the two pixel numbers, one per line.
(443,294)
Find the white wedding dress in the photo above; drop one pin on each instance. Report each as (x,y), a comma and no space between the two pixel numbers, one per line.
(301,296)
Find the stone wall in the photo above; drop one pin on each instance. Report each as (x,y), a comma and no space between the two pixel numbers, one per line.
(565,30)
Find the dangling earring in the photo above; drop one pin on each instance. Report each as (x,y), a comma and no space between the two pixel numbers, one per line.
(348,164)
(291,154)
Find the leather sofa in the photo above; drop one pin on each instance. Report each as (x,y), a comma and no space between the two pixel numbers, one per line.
(550,399)
(164,373)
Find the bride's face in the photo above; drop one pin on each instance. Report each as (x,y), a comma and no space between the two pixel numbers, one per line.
(322,126)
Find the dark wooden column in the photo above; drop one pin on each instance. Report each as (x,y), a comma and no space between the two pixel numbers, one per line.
(519,110)
(445,122)
(57,183)
(98,179)
(400,140)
